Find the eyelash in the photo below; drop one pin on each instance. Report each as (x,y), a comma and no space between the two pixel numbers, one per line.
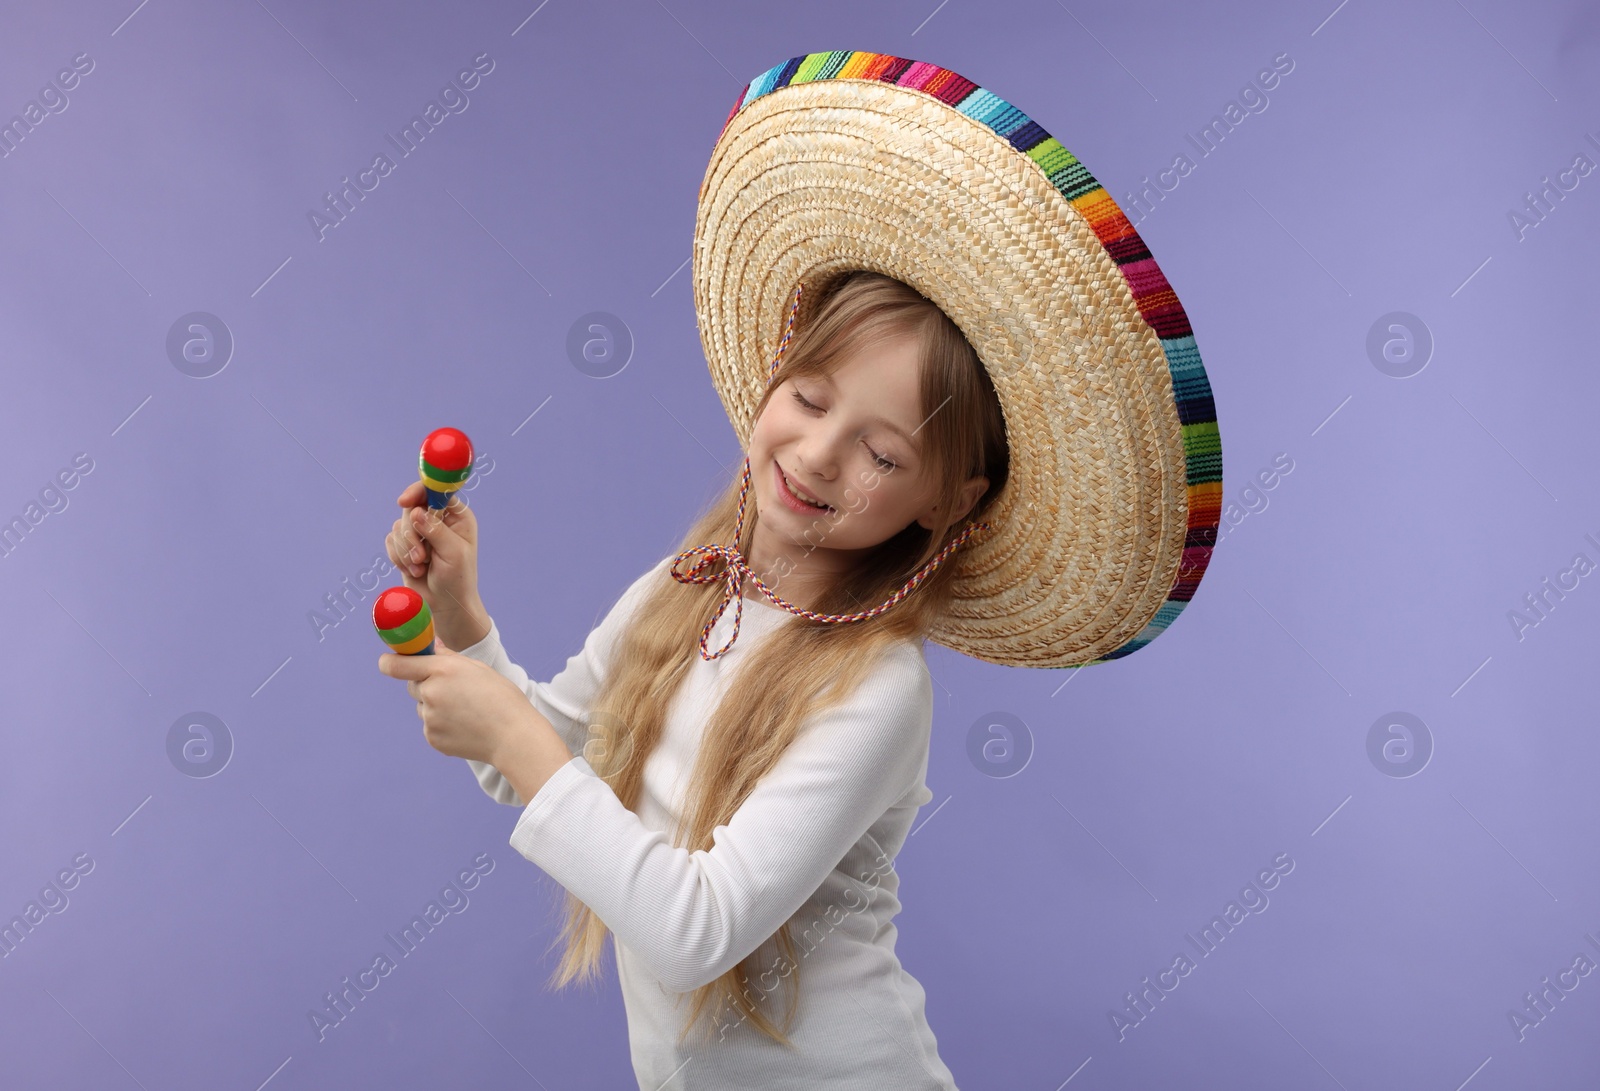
(884,462)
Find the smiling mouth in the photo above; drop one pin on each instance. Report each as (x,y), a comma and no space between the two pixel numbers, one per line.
(783,484)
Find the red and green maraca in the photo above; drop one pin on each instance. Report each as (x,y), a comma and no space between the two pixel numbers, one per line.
(445,463)
(404,621)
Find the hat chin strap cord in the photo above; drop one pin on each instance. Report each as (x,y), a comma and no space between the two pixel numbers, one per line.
(736,569)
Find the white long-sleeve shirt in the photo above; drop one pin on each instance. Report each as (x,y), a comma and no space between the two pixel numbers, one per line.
(815,839)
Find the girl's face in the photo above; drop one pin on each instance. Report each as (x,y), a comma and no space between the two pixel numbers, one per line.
(851,444)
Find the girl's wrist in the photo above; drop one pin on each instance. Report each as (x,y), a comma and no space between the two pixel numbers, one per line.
(469,627)
(529,752)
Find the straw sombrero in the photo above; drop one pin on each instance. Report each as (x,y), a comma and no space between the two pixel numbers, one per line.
(847,160)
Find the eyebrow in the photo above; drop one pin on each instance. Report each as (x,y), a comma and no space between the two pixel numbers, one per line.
(889,424)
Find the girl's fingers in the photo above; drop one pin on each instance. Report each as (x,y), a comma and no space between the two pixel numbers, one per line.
(441,538)
(403,553)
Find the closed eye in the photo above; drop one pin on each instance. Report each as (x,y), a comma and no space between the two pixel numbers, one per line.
(884,462)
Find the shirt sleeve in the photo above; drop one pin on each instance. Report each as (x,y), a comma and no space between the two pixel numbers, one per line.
(566,698)
(692,916)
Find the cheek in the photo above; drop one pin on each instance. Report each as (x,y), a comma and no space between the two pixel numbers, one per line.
(900,503)
(870,504)
(758,433)
(768,422)
(769,430)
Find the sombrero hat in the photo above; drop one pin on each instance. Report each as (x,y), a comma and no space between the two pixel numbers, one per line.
(849,160)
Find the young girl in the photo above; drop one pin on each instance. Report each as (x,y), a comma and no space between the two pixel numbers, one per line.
(723,790)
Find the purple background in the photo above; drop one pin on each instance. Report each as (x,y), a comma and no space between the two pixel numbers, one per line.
(182,574)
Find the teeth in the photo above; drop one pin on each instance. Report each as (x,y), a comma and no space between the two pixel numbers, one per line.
(796,494)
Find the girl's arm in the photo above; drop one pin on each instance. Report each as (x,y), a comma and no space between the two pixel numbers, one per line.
(566,698)
(691,916)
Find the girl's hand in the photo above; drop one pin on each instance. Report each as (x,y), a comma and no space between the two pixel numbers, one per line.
(437,555)
(467,708)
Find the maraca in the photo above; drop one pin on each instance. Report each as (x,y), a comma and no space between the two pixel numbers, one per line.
(404,621)
(445,463)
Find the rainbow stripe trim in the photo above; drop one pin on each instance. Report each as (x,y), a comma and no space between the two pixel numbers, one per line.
(1154,297)
(442,480)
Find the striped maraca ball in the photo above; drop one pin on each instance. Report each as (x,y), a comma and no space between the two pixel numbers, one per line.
(445,463)
(403,621)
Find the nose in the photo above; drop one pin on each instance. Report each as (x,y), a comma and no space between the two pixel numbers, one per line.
(821,449)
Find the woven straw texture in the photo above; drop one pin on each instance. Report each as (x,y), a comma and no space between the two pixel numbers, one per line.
(849,160)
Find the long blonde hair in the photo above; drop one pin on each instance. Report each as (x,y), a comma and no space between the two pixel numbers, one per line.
(802,666)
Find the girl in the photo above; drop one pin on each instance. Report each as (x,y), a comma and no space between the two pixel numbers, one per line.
(729,810)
